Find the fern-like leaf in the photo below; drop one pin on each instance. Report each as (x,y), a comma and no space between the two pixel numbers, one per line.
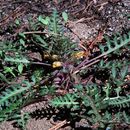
(21,119)
(120,101)
(126,117)
(12,94)
(68,100)
(7,113)
(54,23)
(115,44)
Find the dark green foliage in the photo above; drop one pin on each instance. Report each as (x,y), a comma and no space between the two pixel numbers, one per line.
(68,100)
(20,120)
(116,43)
(95,104)
(54,24)
(98,100)
(12,94)
(121,101)
(13,99)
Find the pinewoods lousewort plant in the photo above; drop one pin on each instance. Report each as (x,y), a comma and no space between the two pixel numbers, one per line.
(94,88)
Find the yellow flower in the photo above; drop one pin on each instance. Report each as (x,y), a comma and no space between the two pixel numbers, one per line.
(46,56)
(79,54)
(57,64)
(55,57)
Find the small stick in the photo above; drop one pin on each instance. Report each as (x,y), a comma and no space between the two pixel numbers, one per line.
(34,32)
(40,63)
(40,32)
(59,125)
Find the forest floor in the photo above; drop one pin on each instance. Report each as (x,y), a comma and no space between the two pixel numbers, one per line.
(87,19)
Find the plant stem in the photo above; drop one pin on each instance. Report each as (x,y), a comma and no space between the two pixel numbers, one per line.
(94,108)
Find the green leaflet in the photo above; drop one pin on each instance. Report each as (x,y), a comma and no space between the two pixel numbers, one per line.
(3,78)
(13,93)
(116,43)
(120,101)
(68,100)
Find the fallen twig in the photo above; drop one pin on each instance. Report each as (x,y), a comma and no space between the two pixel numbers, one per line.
(59,125)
